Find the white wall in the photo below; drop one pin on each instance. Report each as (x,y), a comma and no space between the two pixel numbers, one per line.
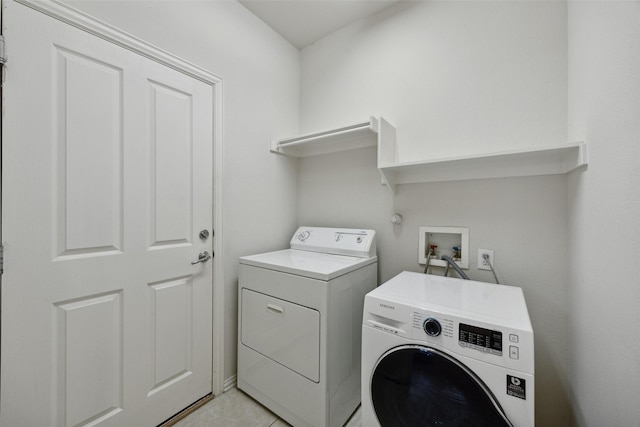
(453,77)
(604,213)
(260,73)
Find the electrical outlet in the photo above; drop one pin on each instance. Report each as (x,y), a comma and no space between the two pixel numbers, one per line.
(482,263)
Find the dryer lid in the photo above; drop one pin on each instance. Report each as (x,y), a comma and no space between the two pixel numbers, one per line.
(315,265)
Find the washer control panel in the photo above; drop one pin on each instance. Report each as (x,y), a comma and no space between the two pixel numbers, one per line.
(509,347)
(481,339)
(340,241)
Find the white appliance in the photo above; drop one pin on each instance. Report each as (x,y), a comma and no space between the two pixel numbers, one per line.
(300,324)
(445,351)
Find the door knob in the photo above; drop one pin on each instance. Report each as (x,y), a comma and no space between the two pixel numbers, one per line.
(202,257)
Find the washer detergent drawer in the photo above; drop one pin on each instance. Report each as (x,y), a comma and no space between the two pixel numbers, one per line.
(282,331)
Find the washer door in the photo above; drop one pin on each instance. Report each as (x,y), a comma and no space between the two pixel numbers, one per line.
(420,386)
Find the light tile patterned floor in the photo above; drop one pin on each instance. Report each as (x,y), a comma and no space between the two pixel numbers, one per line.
(235,409)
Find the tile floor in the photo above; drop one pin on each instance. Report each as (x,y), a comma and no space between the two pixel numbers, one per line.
(235,409)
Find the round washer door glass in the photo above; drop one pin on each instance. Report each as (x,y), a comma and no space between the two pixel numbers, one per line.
(421,386)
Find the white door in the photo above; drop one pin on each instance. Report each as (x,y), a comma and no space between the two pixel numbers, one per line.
(107,183)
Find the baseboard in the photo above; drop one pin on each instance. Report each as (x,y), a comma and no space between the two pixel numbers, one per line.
(229,383)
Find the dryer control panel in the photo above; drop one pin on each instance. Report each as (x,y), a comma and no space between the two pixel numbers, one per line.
(340,241)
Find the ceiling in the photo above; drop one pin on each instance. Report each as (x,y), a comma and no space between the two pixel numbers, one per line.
(302,22)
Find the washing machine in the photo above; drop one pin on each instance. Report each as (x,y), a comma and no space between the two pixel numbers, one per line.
(300,323)
(439,351)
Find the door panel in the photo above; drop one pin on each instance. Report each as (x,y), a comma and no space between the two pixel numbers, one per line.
(171,139)
(89,353)
(171,332)
(107,180)
(88,170)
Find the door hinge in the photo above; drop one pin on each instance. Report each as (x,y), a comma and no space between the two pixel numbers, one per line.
(1,259)
(3,60)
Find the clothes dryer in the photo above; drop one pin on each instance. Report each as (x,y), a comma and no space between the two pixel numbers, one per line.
(444,351)
(300,324)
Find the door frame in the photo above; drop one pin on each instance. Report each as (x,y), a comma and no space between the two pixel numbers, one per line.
(85,22)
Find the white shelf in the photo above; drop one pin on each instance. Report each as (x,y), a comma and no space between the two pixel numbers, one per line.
(529,162)
(555,160)
(351,137)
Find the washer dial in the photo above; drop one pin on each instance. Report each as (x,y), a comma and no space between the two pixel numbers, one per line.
(432,327)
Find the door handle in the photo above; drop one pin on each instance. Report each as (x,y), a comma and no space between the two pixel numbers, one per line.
(202,257)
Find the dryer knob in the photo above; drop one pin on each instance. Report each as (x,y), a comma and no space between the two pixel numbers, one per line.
(432,327)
